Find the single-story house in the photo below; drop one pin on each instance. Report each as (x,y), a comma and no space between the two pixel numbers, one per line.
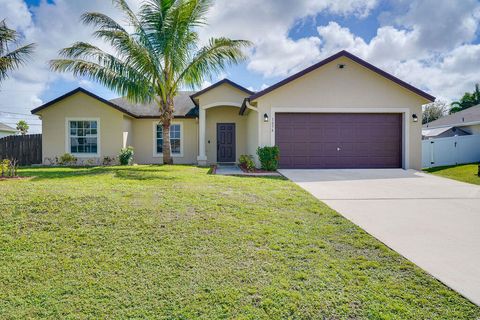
(6,130)
(465,122)
(442,132)
(342,112)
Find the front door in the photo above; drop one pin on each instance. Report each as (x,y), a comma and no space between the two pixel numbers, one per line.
(226,142)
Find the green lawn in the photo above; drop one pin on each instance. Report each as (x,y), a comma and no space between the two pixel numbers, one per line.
(465,172)
(172,242)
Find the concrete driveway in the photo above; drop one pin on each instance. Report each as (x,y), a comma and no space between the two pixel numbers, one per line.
(434,222)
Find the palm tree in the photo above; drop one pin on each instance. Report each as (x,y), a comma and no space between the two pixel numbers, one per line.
(11,59)
(468,100)
(158,57)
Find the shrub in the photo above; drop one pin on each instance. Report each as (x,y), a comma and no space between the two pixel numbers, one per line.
(247,162)
(126,156)
(108,161)
(268,157)
(51,161)
(67,160)
(8,168)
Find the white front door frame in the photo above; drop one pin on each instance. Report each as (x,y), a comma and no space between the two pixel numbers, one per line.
(405,120)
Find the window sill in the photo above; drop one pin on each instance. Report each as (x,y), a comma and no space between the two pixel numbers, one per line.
(174,155)
(86,155)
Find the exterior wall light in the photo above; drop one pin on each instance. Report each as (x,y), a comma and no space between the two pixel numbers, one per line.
(414,117)
(265,117)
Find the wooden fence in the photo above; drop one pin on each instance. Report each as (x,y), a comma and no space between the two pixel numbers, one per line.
(25,149)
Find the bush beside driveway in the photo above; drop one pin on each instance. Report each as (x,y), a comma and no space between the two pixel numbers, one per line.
(174,242)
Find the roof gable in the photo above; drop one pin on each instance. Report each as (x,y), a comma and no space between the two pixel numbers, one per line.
(185,106)
(88,93)
(334,57)
(196,95)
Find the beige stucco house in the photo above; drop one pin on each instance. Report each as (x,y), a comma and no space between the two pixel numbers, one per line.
(339,113)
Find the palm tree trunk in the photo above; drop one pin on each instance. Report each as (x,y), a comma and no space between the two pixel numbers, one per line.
(166,147)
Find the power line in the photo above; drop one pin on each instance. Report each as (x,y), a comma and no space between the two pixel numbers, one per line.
(14,124)
(22,114)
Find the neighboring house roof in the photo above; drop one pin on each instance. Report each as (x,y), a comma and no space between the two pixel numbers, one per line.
(184,106)
(462,118)
(5,128)
(219,83)
(347,54)
(435,132)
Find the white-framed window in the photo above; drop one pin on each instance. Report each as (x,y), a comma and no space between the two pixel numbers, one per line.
(83,137)
(176,139)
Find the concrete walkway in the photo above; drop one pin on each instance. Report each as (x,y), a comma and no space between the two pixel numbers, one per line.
(432,221)
(228,170)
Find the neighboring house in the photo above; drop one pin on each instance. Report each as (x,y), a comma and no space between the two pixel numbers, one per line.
(442,132)
(6,130)
(465,122)
(339,113)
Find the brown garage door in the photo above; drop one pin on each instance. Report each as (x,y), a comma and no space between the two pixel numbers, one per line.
(339,140)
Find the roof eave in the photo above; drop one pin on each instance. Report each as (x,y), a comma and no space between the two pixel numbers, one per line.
(216,84)
(90,94)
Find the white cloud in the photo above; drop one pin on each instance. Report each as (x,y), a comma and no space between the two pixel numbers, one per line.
(267,23)
(402,52)
(430,48)
(52,26)
(441,24)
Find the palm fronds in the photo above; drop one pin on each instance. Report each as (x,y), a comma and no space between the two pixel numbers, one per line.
(12,56)
(159,56)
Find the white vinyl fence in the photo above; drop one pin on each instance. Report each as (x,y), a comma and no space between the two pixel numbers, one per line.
(450,151)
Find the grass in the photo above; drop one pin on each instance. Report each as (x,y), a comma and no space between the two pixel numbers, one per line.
(172,242)
(464,172)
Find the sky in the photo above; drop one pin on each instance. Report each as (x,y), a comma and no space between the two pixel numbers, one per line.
(431,44)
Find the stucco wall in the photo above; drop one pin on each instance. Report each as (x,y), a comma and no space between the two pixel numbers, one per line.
(225,115)
(144,141)
(354,87)
(81,106)
(252,133)
(224,94)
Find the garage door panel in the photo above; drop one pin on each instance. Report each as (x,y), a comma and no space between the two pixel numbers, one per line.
(301,149)
(298,134)
(288,149)
(316,133)
(321,140)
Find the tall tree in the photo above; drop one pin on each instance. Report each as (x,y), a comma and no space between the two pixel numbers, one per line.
(12,54)
(468,100)
(151,63)
(434,111)
(23,127)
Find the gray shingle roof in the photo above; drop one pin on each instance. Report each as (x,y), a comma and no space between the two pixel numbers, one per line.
(4,127)
(184,106)
(471,114)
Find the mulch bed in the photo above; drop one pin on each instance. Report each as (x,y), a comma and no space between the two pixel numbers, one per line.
(244,169)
